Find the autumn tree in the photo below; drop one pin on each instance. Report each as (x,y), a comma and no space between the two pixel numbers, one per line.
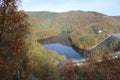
(13,30)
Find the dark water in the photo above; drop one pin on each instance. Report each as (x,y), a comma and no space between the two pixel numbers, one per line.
(61,38)
(67,51)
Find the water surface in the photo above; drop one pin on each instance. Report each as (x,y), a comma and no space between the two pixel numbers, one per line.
(67,51)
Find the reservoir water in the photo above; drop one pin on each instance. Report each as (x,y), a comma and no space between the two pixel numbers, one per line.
(61,49)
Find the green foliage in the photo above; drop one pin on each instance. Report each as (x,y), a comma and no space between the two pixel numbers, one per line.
(79,26)
(80,30)
(20,53)
(42,14)
(41,22)
(86,37)
(113,44)
(41,62)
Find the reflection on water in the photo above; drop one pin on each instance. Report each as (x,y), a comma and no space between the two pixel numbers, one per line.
(63,50)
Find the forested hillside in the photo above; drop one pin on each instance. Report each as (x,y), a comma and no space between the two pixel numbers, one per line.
(22,57)
(81,26)
(20,54)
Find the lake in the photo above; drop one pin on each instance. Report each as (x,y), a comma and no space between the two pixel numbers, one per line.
(61,49)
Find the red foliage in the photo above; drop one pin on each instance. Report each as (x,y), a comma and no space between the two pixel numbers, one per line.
(13,29)
(105,70)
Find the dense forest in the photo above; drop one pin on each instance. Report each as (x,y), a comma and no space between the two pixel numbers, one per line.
(82,27)
(22,57)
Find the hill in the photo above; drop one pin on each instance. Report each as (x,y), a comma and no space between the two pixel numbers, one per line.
(116,17)
(80,25)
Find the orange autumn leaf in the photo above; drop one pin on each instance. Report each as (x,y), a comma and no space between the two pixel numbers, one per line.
(14,54)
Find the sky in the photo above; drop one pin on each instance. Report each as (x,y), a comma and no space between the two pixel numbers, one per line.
(108,7)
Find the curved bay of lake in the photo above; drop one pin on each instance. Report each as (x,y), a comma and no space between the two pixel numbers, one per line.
(61,45)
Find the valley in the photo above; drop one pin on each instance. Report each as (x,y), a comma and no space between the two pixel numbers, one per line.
(68,44)
(65,40)
(79,26)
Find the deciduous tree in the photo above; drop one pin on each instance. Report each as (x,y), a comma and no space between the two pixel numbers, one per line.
(13,30)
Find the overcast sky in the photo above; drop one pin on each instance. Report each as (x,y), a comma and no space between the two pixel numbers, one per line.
(109,7)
